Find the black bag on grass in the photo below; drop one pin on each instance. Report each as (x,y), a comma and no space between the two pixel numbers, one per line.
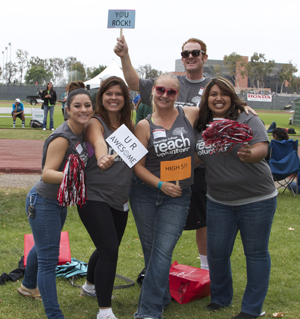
(35,124)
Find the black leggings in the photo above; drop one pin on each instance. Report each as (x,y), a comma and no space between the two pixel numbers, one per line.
(106,227)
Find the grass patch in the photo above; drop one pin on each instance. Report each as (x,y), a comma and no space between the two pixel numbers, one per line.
(29,133)
(283,295)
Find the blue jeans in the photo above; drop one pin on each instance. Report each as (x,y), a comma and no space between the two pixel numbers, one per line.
(43,257)
(254,222)
(160,220)
(46,109)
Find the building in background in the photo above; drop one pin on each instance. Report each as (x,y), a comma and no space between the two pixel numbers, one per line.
(213,68)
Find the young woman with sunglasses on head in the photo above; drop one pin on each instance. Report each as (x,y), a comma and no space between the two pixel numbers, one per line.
(107,181)
(241,196)
(160,208)
(46,216)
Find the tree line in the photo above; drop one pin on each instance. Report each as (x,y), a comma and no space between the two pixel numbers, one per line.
(34,70)
(258,68)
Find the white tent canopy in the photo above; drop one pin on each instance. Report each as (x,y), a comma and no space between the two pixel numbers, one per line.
(112,69)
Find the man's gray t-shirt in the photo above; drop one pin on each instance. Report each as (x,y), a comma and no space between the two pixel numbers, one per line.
(189,95)
(230,179)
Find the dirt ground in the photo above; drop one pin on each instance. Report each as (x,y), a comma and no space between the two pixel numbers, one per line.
(18,180)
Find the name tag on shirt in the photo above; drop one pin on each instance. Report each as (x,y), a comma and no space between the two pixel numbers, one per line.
(79,148)
(201,91)
(159,133)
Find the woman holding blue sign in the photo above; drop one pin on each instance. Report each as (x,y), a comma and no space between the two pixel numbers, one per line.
(160,208)
(107,181)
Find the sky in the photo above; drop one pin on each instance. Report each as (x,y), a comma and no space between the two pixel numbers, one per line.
(62,28)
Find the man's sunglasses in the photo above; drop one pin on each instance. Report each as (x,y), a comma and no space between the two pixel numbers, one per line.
(160,90)
(195,53)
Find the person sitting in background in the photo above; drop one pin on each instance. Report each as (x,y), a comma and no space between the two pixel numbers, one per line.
(271,127)
(18,111)
(294,185)
(279,134)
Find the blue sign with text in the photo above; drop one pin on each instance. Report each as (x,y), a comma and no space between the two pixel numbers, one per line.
(121,19)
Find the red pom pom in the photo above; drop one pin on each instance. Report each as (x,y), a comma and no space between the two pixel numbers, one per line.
(72,188)
(222,133)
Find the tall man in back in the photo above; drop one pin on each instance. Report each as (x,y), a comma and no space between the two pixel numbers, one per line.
(191,88)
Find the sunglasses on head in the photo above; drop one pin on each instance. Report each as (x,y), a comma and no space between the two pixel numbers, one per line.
(195,53)
(160,90)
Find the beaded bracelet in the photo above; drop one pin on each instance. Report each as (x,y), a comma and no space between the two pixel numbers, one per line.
(100,158)
(159,185)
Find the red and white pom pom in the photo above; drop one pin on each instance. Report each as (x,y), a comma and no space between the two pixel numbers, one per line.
(72,188)
(223,132)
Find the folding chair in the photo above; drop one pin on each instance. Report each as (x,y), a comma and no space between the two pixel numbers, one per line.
(284,163)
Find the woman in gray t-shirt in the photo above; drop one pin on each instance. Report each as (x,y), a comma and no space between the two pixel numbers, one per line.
(46,216)
(241,196)
(160,205)
(107,181)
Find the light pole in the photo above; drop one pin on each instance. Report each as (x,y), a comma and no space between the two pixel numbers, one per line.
(3,65)
(10,51)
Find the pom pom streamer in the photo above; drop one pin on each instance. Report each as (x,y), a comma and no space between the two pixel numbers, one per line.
(222,133)
(72,188)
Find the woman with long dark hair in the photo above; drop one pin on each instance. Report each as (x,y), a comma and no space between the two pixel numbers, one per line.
(45,214)
(108,178)
(241,196)
(49,97)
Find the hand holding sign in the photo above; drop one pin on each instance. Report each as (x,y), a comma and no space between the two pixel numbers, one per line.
(106,161)
(126,145)
(176,170)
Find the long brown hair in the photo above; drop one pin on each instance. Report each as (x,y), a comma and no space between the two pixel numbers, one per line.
(51,90)
(125,112)
(205,114)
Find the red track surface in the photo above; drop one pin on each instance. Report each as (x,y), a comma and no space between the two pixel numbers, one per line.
(21,156)
(24,156)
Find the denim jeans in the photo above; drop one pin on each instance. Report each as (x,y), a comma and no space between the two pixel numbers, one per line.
(42,259)
(46,109)
(160,220)
(254,222)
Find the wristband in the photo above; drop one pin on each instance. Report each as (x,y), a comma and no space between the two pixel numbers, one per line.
(159,185)
(100,158)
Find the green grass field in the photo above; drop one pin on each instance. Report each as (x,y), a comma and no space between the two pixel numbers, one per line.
(283,295)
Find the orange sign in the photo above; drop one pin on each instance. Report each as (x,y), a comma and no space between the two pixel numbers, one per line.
(176,170)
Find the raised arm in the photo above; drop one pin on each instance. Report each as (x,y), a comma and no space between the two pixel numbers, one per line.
(131,77)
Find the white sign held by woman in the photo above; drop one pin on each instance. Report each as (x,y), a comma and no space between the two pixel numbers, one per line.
(126,145)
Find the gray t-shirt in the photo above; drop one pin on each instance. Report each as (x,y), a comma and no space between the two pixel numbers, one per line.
(112,185)
(189,95)
(168,145)
(230,179)
(76,146)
